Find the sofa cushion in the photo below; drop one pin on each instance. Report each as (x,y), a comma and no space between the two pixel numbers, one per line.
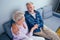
(47,11)
(40,10)
(7,28)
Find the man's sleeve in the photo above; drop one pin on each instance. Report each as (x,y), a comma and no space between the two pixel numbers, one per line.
(40,21)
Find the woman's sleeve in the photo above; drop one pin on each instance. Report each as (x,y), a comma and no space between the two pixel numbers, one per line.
(29,34)
(19,35)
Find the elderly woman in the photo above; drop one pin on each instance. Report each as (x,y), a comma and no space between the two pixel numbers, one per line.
(22,33)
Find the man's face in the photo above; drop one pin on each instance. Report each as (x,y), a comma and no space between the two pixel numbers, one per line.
(30,7)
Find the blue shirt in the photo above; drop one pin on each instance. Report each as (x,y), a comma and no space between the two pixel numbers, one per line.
(31,21)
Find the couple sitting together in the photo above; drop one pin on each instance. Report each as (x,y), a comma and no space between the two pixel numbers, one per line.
(27,26)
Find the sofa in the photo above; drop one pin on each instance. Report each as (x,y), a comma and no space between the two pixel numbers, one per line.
(47,15)
(7,35)
(50,17)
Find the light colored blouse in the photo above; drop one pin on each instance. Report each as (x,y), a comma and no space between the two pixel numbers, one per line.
(22,33)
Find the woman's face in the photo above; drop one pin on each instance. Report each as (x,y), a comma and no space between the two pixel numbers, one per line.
(21,20)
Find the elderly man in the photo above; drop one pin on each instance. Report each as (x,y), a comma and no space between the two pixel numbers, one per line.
(32,18)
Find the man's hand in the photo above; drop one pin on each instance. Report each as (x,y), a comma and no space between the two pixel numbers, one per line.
(14,29)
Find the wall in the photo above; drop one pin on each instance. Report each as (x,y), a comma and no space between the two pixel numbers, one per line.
(7,6)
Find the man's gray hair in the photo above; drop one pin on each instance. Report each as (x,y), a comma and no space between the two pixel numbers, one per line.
(29,3)
(17,16)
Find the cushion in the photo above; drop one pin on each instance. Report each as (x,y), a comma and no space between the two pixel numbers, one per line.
(7,28)
(47,11)
(40,10)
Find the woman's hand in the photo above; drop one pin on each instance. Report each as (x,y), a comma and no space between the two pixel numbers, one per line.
(14,29)
(35,27)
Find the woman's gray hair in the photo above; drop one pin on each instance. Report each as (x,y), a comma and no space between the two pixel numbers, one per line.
(17,16)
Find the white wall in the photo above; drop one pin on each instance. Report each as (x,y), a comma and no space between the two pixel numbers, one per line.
(7,6)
